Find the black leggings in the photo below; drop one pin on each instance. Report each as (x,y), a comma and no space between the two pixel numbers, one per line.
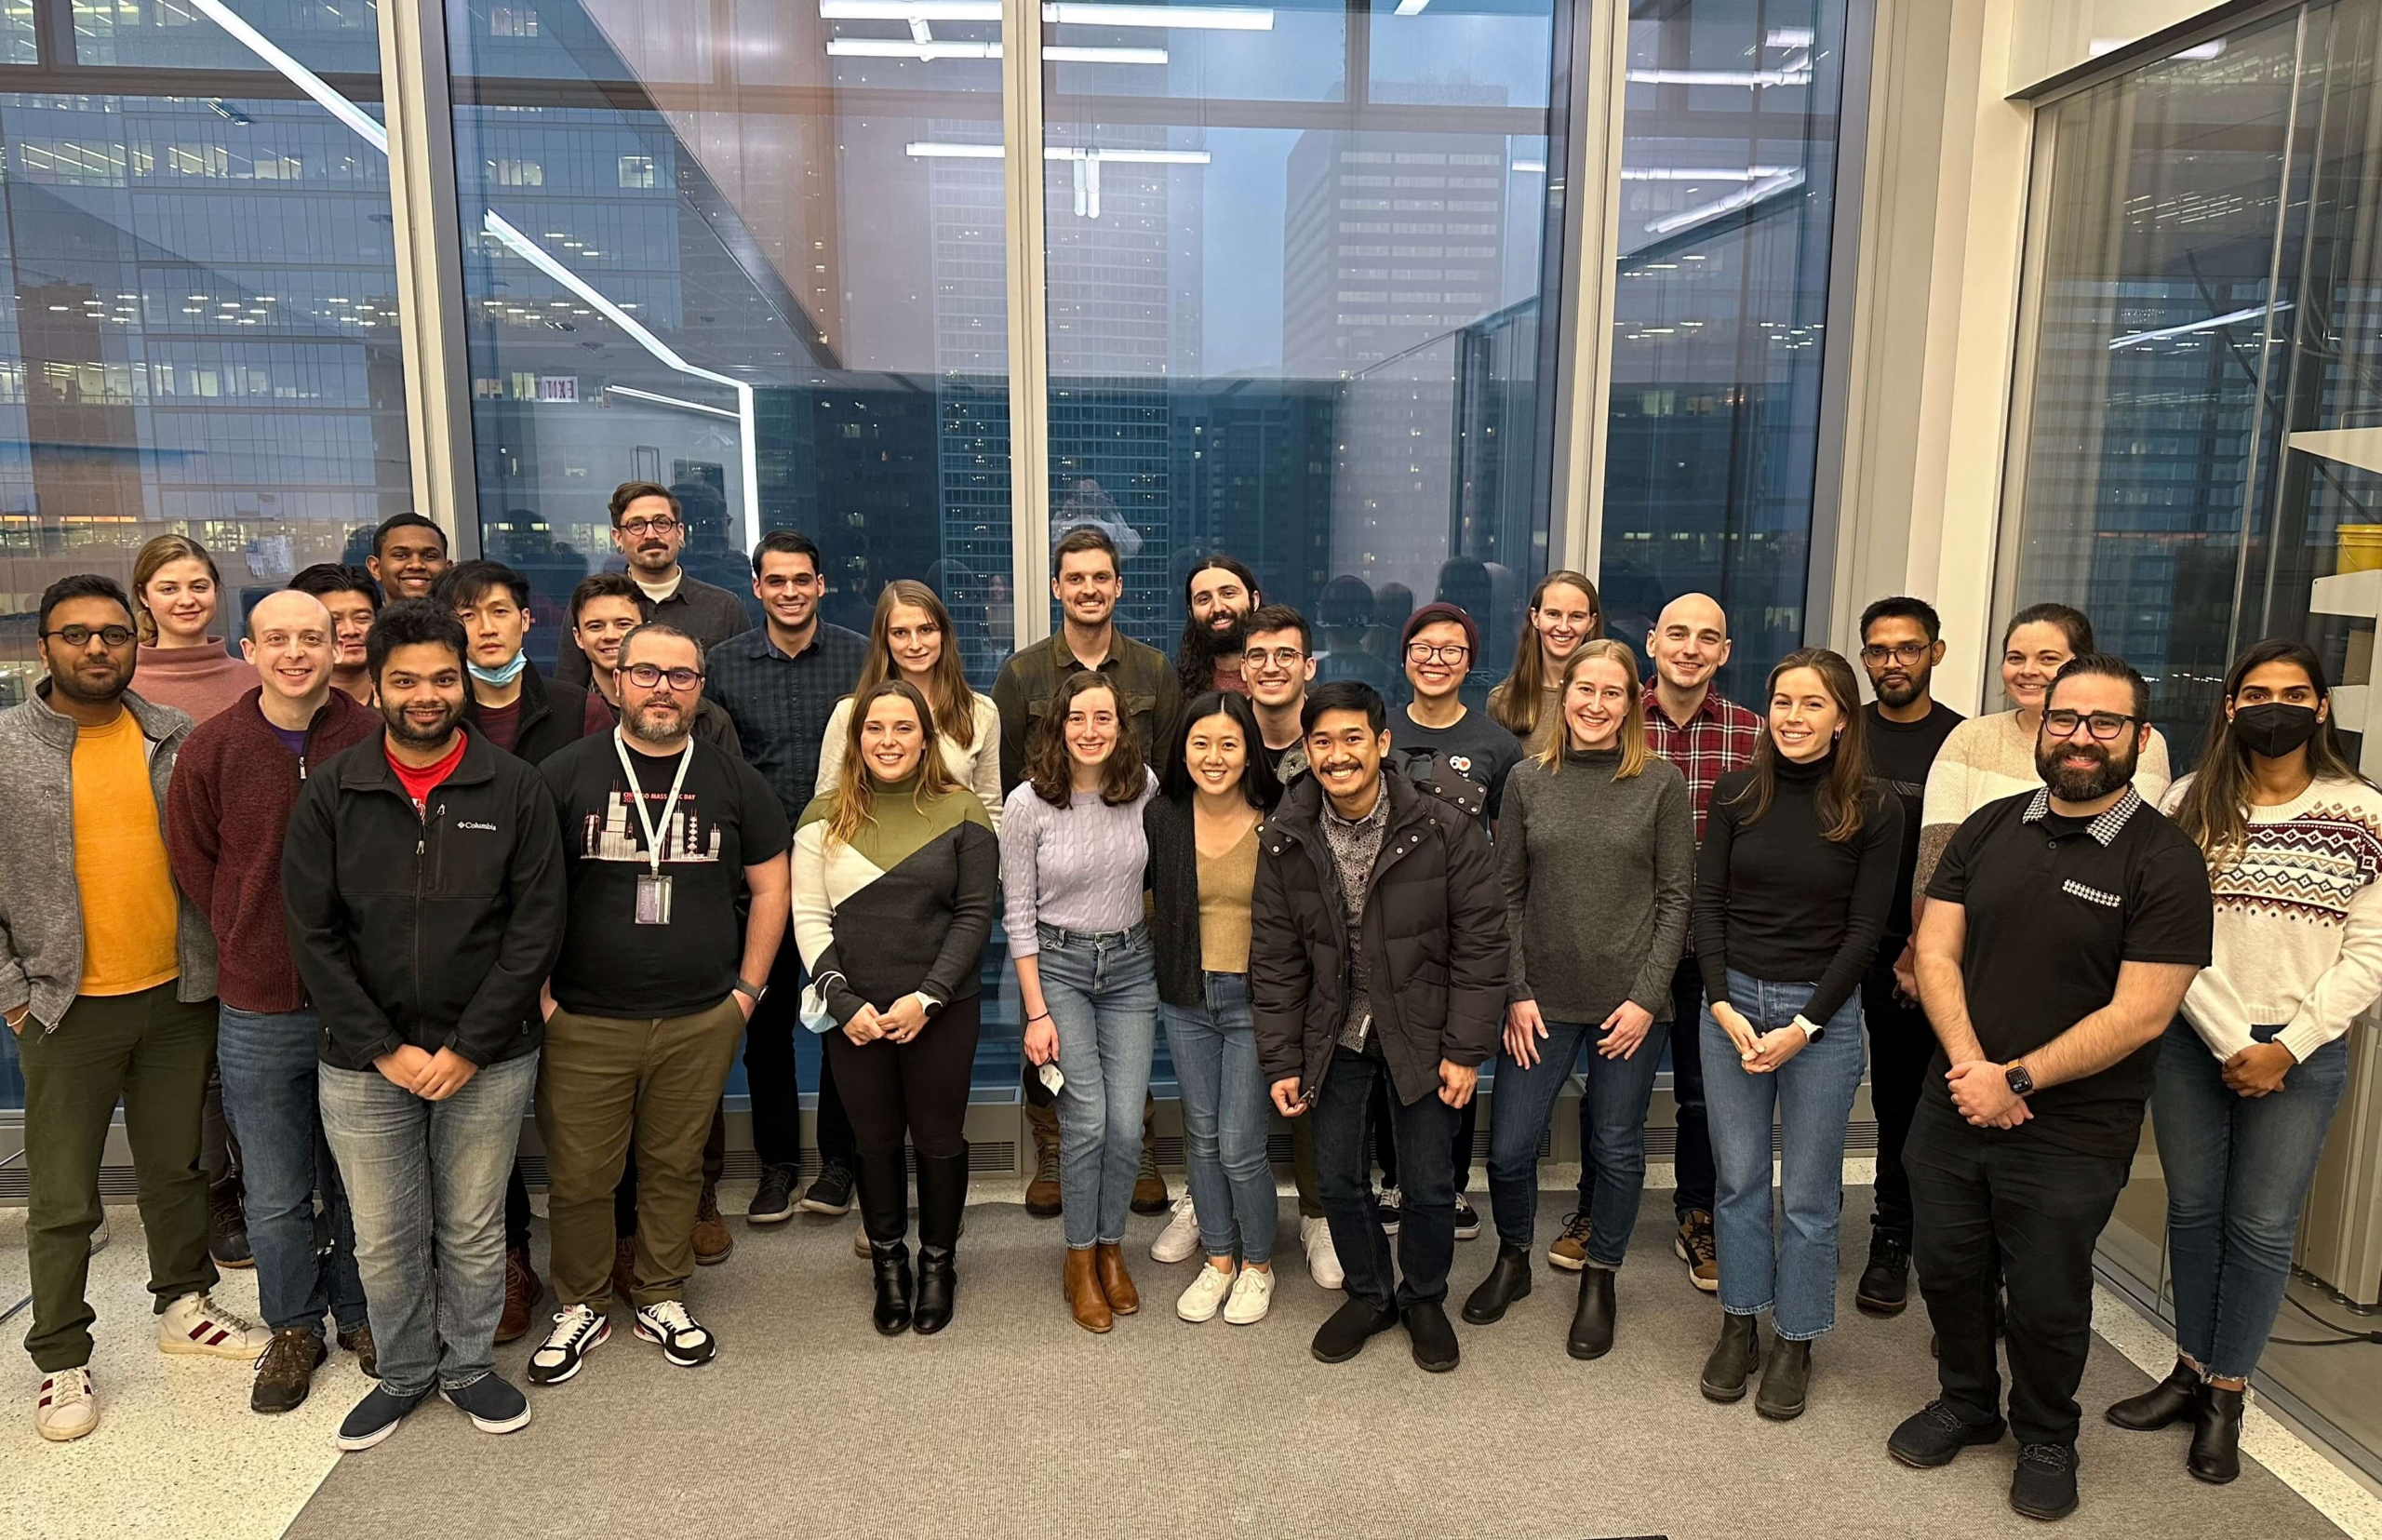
(920,1086)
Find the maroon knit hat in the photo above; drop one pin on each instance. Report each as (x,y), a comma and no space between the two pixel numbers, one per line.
(1442,611)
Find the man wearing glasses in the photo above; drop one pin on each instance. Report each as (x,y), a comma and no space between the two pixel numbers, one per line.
(1278,660)
(675,853)
(2062,929)
(649,529)
(1900,647)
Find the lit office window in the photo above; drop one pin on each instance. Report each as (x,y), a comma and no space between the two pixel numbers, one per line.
(1728,199)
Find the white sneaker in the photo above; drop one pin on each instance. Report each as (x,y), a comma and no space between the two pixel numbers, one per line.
(1179,1240)
(578,1330)
(195,1323)
(1322,1257)
(1205,1297)
(1252,1295)
(66,1407)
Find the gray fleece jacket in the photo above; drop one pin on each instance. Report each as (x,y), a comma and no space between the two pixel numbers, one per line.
(41,908)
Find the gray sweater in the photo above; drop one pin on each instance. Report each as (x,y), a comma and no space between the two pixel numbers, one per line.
(1598,873)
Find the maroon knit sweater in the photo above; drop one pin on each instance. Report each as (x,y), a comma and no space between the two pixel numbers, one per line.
(226,812)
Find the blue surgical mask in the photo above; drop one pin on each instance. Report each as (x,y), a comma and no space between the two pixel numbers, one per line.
(504,676)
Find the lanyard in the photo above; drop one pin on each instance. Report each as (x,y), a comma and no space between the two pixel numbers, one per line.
(636,797)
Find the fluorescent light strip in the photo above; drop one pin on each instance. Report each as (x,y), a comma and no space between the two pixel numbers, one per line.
(945,150)
(910,10)
(1707,173)
(2214,49)
(298,74)
(1096,13)
(1059,53)
(1721,77)
(1411,7)
(903,48)
(928,149)
(1750,193)
(679,402)
(2209,324)
(1529,168)
(1792,37)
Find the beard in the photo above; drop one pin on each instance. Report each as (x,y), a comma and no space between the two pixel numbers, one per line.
(1901,694)
(649,725)
(2105,777)
(1224,642)
(402,729)
(72,683)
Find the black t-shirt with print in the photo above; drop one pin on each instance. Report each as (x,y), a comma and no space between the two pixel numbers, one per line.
(1476,748)
(727,819)
(2055,905)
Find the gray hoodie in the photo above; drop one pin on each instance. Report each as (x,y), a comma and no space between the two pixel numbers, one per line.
(41,909)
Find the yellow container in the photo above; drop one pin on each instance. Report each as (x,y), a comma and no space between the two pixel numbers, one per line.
(2360,549)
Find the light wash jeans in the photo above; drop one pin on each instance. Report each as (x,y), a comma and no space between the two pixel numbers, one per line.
(425,1183)
(269,1065)
(1101,992)
(1227,1114)
(1794,1277)
(2238,1169)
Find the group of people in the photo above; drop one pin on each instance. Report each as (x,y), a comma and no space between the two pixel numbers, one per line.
(398,888)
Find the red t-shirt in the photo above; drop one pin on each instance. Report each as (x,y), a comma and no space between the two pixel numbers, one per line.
(420,784)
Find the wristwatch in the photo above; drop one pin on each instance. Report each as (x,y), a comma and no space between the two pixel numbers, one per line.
(1810,1030)
(2021,1083)
(927,1003)
(753,992)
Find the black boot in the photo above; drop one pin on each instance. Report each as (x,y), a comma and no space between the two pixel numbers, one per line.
(1509,1280)
(1885,1289)
(2216,1455)
(1785,1381)
(1592,1319)
(2164,1405)
(1733,1360)
(942,1196)
(892,1286)
(885,1218)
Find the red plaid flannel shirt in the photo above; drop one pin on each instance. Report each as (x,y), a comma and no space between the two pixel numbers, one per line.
(1718,739)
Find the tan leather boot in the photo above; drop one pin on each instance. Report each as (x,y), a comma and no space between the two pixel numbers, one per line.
(1081,1285)
(1115,1282)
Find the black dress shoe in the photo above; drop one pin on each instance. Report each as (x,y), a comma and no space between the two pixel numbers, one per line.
(1433,1337)
(1591,1335)
(1785,1381)
(893,1287)
(1884,1288)
(1343,1335)
(937,1280)
(2215,1454)
(1935,1434)
(1733,1360)
(2164,1405)
(2044,1484)
(1509,1280)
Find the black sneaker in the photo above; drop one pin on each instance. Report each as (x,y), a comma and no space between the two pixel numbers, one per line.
(1935,1434)
(1884,1288)
(1467,1220)
(831,1192)
(375,1418)
(227,1226)
(2044,1484)
(1386,1210)
(773,1201)
(578,1330)
(492,1403)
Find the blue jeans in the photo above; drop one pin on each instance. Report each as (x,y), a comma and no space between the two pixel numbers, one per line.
(1101,992)
(1227,1114)
(269,1064)
(2238,1169)
(1612,1102)
(426,1181)
(1812,1095)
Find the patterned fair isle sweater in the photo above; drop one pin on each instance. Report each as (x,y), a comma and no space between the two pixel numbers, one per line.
(2298,923)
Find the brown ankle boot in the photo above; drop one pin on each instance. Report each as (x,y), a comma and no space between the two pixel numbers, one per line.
(1082,1287)
(1115,1282)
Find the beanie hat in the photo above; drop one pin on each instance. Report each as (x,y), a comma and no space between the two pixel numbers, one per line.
(1442,611)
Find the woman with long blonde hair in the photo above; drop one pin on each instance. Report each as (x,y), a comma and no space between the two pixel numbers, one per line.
(911,639)
(895,875)
(176,597)
(1564,614)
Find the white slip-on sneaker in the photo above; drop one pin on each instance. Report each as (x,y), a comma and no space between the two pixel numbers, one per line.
(1252,1295)
(66,1407)
(195,1323)
(1322,1257)
(1179,1240)
(1205,1297)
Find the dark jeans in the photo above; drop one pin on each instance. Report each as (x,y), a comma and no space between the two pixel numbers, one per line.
(1385,1129)
(1613,1095)
(1426,1223)
(269,1095)
(769,1076)
(1901,1044)
(1992,1205)
(2238,1169)
(1694,1157)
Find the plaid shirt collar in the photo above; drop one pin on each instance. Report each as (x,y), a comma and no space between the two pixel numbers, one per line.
(2104,828)
(1708,710)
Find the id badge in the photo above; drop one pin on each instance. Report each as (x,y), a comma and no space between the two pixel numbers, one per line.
(653,899)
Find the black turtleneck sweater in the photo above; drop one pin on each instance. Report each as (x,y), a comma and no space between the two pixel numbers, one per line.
(1777,899)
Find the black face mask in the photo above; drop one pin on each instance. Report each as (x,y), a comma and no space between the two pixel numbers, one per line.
(2273,729)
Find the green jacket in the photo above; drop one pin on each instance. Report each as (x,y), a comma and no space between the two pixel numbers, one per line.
(1030,680)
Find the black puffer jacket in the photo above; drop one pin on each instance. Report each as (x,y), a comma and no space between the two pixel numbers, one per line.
(1435,926)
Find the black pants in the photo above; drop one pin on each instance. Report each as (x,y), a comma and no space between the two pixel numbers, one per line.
(918,1087)
(715,1162)
(771,1079)
(1901,1044)
(1992,1205)
(1694,1160)
(1385,1129)
(1427,1223)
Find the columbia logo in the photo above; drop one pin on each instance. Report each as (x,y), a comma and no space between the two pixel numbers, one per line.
(2093,895)
(474,824)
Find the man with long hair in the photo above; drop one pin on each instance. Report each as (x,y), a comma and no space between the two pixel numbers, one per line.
(1217,597)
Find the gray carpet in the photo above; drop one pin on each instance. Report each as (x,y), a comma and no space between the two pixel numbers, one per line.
(1014,1422)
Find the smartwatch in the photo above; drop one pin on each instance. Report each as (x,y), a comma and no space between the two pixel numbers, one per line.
(752,991)
(1810,1030)
(2021,1083)
(927,1003)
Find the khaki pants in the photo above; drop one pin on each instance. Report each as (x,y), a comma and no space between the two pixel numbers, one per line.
(607,1084)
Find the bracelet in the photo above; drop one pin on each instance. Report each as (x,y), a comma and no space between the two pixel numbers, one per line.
(1039,1016)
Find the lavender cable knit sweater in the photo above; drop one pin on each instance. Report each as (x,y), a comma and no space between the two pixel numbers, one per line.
(1077,867)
